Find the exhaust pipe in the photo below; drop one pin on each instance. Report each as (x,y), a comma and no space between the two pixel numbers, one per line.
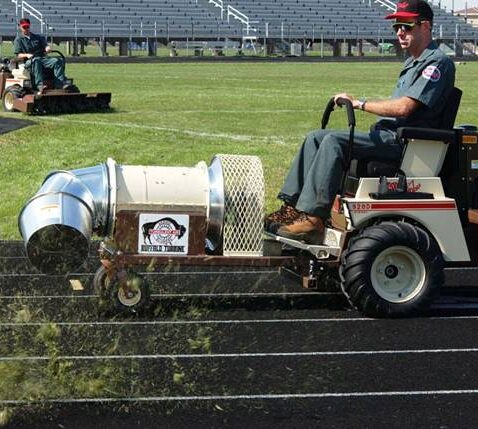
(58,223)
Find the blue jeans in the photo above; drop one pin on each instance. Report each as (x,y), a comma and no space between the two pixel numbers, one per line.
(316,172)
(37,65)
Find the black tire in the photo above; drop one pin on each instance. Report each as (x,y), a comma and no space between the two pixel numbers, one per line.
(392,270)
(9,95)
(132,301)
(74,89)
(99,281)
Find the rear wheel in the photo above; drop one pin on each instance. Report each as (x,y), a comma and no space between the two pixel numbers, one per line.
(391,270)
(9,96)
(74,89)
(128,294)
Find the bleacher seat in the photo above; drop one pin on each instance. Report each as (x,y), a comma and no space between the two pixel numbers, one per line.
(293,19)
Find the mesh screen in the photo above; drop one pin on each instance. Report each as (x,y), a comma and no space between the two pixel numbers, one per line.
(243,204)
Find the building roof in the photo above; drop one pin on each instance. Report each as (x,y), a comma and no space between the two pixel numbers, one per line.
(469,11)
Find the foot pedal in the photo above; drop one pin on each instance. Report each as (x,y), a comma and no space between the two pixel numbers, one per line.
(331,246)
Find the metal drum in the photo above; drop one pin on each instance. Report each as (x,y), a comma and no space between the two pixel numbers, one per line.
(56,228)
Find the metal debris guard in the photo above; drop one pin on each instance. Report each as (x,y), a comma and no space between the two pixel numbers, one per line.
(244,205)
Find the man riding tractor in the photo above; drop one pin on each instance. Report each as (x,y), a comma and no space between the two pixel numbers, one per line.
(32,48)
(418,100)
(35,82)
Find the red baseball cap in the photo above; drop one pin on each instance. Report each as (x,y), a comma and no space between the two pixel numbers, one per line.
(24,22)
(412,9)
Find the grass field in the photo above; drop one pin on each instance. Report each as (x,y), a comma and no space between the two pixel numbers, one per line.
(179,114)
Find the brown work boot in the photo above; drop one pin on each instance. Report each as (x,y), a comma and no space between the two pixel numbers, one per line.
(310,230)
(473,216)
(287,214)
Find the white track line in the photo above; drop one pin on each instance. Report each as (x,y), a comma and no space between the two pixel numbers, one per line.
(220,322)
(238,355)
(13,257)
(245,397)
(237,137)
(188,322)
(179,295)
(149,273)
(216,322)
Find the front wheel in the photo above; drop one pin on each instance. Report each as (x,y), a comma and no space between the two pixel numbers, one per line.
(9,96)
(392,270)
(99,281)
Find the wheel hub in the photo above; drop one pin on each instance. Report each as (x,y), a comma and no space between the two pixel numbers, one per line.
(8,100)
(130,293)
(391,271)
(398,274)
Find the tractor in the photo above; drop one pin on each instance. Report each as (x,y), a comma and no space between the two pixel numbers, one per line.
(17,93)
(394,231)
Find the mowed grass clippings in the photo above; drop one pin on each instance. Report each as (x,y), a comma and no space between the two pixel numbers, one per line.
(163,114)
(179,114)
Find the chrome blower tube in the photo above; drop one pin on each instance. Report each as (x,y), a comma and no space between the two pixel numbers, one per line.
(58,222)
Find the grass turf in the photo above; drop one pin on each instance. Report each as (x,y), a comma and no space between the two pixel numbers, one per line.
(179,114)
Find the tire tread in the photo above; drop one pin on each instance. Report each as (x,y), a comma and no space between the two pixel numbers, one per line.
(357,259)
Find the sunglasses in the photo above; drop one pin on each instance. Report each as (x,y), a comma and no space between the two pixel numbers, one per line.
(405,26)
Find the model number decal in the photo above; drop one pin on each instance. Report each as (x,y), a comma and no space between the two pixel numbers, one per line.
(361,207)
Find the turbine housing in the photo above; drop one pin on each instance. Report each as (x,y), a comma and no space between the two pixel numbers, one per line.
(58,223)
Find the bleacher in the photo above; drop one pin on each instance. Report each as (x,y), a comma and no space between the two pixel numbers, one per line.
(171,19)
(346,19)
(349,20)
(8,24)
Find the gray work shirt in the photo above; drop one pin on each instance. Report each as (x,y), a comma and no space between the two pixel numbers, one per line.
(32,44)
(429,80)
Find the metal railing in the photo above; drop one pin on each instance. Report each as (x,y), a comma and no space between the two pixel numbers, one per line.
(236,14)
(220,5)
(387,4)
(24,7)
(390,5)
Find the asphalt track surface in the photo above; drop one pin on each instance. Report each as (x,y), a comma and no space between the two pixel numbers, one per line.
(12,124)
(254,348)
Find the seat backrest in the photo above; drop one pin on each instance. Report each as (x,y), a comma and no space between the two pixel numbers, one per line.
(451,109)
(21,72)
(424,158)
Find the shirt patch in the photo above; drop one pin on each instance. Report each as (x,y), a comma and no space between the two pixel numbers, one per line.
(432,73)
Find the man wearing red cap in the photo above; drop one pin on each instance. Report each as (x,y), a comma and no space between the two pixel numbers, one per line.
(419,100)
(33,49)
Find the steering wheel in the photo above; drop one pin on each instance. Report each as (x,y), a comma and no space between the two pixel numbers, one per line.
(58,53)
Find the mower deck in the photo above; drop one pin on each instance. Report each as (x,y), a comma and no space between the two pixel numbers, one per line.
(60,101)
